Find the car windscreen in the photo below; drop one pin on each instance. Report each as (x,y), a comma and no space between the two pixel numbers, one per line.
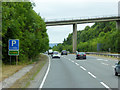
(81,53)
(64,51)
(55,52)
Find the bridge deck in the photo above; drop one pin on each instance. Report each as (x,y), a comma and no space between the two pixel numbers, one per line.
(81,21)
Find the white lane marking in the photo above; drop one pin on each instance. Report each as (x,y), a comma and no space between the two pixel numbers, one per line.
(77,64)
(99,59)
(91,74)
(43,81)
(105,85)
(105,64)
(72,61)
(83,68)
(113,66)
(105,60)
(102,59)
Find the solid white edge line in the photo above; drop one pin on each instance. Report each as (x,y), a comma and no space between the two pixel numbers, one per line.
(43,81)
(83,68)
(104,85)
(92,75)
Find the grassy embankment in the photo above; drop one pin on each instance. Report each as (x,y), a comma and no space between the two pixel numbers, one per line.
(24,81)
(8,70)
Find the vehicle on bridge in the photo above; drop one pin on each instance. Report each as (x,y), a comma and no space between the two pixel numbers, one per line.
(55,54)
(64,52)
(80,55)
(117,68)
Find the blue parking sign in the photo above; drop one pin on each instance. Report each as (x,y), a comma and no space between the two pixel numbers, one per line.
(14,44)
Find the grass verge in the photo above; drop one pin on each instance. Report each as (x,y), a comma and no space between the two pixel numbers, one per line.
(109,57)
(24,81)
(8,70)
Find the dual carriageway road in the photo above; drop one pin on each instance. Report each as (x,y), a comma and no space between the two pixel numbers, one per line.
(93,72)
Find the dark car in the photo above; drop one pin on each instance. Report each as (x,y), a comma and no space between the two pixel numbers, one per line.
(117,68)
(64,52)
(80,55)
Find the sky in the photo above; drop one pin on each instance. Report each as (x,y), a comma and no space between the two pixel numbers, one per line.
(71,9)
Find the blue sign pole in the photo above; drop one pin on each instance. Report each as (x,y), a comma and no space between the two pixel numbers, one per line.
(13,48)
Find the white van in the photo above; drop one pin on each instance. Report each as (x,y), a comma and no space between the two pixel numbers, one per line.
(50,52)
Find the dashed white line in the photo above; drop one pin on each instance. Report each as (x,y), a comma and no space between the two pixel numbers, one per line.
(91,74)
(77,64)
(105,60)
(102,59)
(113,66)
(72,61)
(83,68)
(105,85)
(99,59)
(105,64)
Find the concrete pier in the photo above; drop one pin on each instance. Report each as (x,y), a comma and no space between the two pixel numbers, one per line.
(74,37)
(118,21)
(118,25)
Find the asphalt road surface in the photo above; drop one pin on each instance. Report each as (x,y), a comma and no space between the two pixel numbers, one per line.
(94,72)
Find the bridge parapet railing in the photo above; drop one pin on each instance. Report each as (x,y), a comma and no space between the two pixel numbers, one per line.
(78,18)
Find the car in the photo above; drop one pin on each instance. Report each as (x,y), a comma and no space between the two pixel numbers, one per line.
(80,55)
(46,52)
(64,52)
(117,68)
(50,52)
(55,54)
(68,52)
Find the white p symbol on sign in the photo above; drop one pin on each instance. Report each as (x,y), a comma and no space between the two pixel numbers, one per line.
(13,42)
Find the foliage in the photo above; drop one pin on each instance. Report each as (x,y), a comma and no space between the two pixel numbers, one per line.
(20,21)
(104,33)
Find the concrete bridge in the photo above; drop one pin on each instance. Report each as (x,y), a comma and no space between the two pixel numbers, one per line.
(74,22)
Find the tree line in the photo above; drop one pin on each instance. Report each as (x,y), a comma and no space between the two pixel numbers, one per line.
(20,21)
(103,34)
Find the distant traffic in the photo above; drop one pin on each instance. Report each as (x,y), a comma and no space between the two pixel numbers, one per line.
(79,56)
(56,54)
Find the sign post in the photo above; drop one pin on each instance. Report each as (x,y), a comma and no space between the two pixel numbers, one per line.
(14,48)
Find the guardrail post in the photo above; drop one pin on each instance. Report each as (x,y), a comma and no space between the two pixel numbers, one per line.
(74,37)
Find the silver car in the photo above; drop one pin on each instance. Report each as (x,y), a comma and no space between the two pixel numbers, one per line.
(55,54)
(117,68)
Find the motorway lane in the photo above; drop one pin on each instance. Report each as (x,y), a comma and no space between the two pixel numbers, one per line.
(68,72)
(102,68)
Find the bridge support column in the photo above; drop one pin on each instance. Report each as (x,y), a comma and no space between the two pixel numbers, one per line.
(118,25)
(74,37)
(118,22)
